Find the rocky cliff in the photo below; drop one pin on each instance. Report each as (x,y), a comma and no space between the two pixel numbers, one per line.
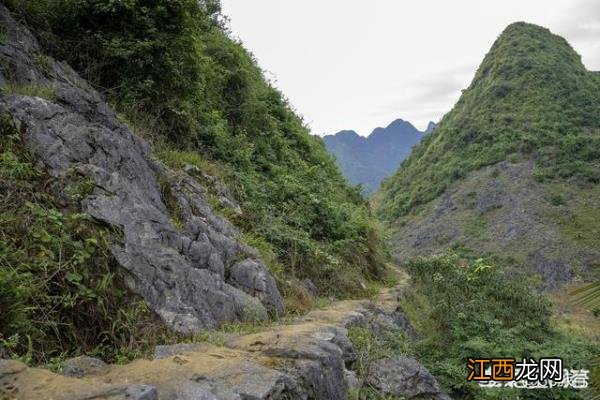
(196,275)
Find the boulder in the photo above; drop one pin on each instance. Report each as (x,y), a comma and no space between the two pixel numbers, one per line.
(401,376)
(83,366)
(253,278)
(310,287)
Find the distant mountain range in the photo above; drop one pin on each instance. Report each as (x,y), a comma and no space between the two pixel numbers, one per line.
(368,160)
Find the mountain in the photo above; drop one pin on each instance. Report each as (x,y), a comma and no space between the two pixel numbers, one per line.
(430,127)
(368,160)
(513,170)
(161,202)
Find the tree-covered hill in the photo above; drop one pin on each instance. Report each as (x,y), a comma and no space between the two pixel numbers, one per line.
(514,167)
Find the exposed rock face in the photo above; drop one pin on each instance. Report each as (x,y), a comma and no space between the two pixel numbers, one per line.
(183,272)
(300,361)
(400,376)
(503,210)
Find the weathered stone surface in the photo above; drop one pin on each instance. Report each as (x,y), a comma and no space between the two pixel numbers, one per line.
(351,380)
(22,383)
(83,365)
(309,353)
(164,351)
(214,371)
(253,278)
(310,287)
(400,376)
(179,270)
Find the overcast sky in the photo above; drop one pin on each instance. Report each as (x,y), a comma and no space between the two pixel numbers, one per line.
(350,64)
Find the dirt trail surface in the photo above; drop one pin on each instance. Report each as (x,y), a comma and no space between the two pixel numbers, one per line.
(306,359)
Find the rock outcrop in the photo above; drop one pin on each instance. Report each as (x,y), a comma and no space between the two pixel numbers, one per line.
(195,274)
(404,377)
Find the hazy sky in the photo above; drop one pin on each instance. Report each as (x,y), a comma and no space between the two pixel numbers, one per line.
(349,64)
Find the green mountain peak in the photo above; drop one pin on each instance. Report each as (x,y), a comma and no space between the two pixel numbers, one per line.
(531,98)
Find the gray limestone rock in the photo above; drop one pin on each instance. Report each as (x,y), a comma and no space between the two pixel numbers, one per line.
(83,366)
(253,278)
(400,376)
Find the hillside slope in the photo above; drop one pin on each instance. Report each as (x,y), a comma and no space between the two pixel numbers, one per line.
(514,168)
(368,160)
(203,194)
(178,79)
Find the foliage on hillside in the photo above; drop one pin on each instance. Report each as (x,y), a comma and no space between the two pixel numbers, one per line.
(171,68)
(60,290)
(530,98)
(468,307)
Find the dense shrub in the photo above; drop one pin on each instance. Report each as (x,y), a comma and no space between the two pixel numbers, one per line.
(471,308)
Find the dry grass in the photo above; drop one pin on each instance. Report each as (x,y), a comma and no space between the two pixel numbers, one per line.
(572,318)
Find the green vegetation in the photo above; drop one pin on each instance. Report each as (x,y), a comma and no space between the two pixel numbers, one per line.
(531,98)
(61,293)
(44,92)
(369,347)
(171,68)
(576,211)
(468,307)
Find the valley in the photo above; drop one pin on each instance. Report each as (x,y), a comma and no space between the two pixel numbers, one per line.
(170,229)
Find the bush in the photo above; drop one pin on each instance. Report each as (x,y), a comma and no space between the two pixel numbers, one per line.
(471,308)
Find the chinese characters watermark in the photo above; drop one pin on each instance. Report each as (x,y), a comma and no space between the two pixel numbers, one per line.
(526,373)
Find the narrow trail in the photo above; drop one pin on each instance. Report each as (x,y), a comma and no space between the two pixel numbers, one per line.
(303,359)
